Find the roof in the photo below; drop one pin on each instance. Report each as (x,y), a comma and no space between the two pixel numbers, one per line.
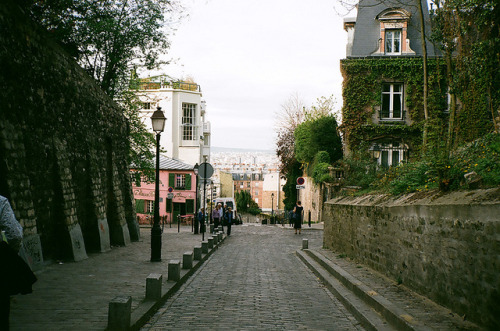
(367,28)
(167,163)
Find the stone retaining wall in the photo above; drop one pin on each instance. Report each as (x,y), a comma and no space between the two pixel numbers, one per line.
(445,247)
(63,148)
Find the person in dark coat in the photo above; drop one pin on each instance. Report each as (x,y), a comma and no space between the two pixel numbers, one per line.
(229,217)
(297,216)
(10,241)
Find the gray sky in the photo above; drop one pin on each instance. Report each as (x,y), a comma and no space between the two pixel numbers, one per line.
(250,56)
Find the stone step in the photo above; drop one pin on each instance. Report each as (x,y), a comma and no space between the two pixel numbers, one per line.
(371,309)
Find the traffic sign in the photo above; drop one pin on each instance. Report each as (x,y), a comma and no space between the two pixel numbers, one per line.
(301,181)
(170,190)
(205,170)
(300,187)
(170,195)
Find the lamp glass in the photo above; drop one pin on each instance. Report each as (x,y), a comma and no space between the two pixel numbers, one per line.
(158,120)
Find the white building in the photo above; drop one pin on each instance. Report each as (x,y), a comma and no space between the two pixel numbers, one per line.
(187,134)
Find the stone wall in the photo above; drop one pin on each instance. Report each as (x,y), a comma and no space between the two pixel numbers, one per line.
(63,148)
(446,247)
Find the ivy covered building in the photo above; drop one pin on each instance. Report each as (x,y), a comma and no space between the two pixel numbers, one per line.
(383,111)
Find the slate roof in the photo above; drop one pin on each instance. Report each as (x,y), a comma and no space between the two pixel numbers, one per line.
(167,163)
(367,28)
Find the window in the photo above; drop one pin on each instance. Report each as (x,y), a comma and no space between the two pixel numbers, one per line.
(392,154)
(392,101)
(150,206)
(189,206)
(180,181)
(393,41)
(188,121)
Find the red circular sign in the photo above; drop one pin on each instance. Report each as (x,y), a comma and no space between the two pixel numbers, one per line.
(170,189)
(301,181)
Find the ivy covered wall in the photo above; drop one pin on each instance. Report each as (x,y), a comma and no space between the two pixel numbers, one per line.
(362,88)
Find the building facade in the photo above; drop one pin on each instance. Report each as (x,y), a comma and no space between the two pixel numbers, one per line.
(383,111)
(187,133)
(177,193)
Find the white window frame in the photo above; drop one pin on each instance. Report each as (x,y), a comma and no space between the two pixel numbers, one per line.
(389,150)
(392,94)
(180,181)
(188,126)
(150,206)
(390,40)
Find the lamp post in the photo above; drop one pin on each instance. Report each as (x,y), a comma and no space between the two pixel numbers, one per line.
(158,123)
(196,220)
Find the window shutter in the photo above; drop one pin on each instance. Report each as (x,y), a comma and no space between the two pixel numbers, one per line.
(171,180)
(139,206)
(187,186)
(169,205)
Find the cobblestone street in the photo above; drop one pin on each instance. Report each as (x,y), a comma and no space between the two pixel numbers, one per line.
(255,281)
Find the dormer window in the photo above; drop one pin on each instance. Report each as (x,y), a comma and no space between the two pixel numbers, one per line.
(393,33)
(393,42)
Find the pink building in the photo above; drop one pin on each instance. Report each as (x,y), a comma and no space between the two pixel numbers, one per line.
(177,193)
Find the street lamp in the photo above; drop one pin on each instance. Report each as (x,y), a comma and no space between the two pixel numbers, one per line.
(196,220)
(158,123)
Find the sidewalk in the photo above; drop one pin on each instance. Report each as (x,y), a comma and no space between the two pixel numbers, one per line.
(75,295)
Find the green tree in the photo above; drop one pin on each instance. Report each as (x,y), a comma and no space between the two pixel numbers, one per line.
(315,135)
(108,37)
(245,203)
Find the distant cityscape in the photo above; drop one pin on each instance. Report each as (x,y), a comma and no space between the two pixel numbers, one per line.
(244,160)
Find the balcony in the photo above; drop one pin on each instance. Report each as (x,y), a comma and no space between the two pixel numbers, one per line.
(164,82)
(386,115)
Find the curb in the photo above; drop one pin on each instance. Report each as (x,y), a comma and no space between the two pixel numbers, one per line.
(147,308)
(339,281)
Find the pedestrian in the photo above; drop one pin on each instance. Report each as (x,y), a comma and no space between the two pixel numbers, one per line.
(16,276)
(297,216)
(229,217)
(216,215)
(201,219)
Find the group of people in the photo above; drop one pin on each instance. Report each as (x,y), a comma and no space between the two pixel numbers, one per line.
(220,215)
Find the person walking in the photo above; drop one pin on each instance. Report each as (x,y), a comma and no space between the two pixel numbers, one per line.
(229,220)
(297,216)
(201,219)
(216,215)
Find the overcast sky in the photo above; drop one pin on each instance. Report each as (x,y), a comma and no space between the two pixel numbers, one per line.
(250,56)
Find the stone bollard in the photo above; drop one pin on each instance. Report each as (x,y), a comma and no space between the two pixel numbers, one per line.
(204,246)
(210,242)
(174,270)
(211,228)
(197,253)
(216,239)
(153,286)
(187,260)
(119,312)
(221,236)
(305,243)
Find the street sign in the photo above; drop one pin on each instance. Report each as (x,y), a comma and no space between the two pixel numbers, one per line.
(170,195)
(300,187)
(170,190)
(205,170)
(301,181)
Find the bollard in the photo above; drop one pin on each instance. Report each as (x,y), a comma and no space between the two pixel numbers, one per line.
(197,253)
(216,239)
(204,247)
(153,286)
(221,236)
(187,260)
(210,242)
(211,228)
(174,270)
(119,312)
(305,243)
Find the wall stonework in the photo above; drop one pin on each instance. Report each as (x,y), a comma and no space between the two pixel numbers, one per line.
(445,247)
(63,148)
